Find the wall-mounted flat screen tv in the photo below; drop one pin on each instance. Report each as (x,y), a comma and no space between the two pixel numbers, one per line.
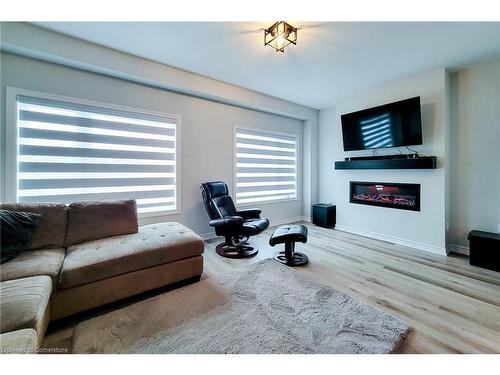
(389,125)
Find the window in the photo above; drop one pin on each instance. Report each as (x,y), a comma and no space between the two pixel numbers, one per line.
(69,150)
(266,166)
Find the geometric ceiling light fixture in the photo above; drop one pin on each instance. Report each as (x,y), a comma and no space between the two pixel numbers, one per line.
(280,35)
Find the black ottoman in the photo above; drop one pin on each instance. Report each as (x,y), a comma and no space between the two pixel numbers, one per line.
(484,249)
(289,234)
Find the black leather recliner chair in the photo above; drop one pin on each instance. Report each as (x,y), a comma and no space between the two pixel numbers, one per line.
(235,226)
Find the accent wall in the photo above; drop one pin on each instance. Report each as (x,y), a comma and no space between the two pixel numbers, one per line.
(424,230)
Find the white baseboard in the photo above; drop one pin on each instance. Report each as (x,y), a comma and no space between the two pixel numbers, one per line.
(212,235)
(400,241)
(464,250)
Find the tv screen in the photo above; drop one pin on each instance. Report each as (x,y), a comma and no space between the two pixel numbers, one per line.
(389,125)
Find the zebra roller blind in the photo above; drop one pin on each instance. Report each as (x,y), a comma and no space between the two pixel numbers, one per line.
(266,166)
(74,152)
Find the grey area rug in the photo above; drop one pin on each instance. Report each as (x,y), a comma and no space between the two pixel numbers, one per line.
(268,308)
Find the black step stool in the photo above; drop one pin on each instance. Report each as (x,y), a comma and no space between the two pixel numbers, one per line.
(289,234)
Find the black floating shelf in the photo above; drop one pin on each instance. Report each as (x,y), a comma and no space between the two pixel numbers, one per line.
(426,162)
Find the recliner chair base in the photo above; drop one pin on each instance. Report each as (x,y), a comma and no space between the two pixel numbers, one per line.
(245,250)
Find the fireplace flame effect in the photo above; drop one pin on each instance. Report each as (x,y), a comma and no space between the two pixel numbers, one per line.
(387,199)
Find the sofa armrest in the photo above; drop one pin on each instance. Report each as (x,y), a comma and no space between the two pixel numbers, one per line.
(250,213)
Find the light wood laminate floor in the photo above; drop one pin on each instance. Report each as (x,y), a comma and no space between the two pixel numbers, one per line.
(451,307)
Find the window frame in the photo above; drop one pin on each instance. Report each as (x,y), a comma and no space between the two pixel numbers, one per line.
(12,135)
(298,166)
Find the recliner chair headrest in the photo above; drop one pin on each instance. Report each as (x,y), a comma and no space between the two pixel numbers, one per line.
(215,189)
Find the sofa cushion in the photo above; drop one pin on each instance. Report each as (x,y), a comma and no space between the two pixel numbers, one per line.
(88,221)
(51,230)
(16,229)
(24,304)
(34,263)
(23,341)
(153,245)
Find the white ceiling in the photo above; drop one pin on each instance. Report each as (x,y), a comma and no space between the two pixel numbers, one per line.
(331,60)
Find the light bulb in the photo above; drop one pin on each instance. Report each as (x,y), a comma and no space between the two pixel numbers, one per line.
(280,41)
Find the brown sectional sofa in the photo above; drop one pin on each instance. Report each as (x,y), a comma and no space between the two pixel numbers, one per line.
(86,255)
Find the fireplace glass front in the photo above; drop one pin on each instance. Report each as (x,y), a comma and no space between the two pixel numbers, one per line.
(392,195)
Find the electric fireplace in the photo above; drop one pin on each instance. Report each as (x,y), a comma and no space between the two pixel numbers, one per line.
(392,195)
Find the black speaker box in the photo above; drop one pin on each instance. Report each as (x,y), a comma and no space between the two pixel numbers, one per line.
(324,215)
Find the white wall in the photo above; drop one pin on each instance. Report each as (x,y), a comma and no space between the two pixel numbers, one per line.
(207,127)
(474,152)
(32,41)
(471,143)
(424,229)
(23,39)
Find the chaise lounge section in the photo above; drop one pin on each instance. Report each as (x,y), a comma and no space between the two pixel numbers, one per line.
(25,312)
